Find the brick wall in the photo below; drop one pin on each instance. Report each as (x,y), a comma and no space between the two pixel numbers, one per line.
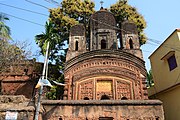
(93,110)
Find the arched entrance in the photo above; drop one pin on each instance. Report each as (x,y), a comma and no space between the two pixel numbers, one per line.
(105,97)
(86,98)
(103,44)
(124,98)
(130,43)
(76,46)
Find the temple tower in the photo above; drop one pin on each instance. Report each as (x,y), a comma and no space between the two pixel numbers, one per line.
(103,32)
(77,41)
(130,39)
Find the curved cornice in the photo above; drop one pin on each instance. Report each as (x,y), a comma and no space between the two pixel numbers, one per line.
(119,54)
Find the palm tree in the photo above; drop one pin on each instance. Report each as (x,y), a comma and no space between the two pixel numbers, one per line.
(4,30)
(50,35)
(55,44)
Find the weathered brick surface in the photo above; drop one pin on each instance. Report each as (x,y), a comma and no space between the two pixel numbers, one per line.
(18,85)
(121,72)
(104,71)
(20,80)
(82,109)
(103,19)
(92,110)
(18,104)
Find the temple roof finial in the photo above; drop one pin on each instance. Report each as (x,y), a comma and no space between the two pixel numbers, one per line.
(101,2)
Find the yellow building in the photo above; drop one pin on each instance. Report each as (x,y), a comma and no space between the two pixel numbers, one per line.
(165,63)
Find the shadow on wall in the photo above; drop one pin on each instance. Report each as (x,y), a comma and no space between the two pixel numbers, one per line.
(47,115)
(27,89)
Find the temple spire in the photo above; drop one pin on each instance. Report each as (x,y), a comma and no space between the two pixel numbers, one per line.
(101,2)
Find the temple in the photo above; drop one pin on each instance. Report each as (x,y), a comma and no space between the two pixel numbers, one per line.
(105,75)
(104,67)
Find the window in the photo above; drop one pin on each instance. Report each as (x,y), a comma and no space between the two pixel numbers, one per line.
(172,62)
(76,46)
(130,43)
(105,118)
(25,71)
(103,44)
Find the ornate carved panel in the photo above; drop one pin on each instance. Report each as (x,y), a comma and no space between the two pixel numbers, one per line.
(104,87)
(86,90)
(139,92)
(124,90)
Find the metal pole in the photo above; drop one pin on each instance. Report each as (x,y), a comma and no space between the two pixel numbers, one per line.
(41,89)
(45,61)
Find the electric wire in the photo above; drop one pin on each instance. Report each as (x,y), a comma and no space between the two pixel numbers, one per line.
(53,2)
(147,51)
(37,4)
(152,40)
(23,19)
(165,45)
(149,39)
(23,9)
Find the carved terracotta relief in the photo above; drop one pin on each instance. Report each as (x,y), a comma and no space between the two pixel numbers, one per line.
(85,90)
(123,90)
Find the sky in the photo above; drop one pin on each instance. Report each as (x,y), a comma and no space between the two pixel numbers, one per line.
(161,16)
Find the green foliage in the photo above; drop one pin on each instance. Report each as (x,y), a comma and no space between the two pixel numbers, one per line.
(4,30)
(50,35)
(123,11)
(71,13)
(56,92)
(150,81)
(52,93)
(58,58)
(78,11)
(11,53)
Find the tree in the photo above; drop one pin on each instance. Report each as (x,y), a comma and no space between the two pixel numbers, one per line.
(150,81)
(71,13)
(4,30)
(122,11)
(56,92)
(57,57)
(11,53)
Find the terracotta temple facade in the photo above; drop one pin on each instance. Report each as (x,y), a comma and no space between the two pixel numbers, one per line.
(104,75)
(98,69)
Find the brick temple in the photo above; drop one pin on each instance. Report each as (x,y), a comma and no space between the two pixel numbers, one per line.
(97,68)
(104,75)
